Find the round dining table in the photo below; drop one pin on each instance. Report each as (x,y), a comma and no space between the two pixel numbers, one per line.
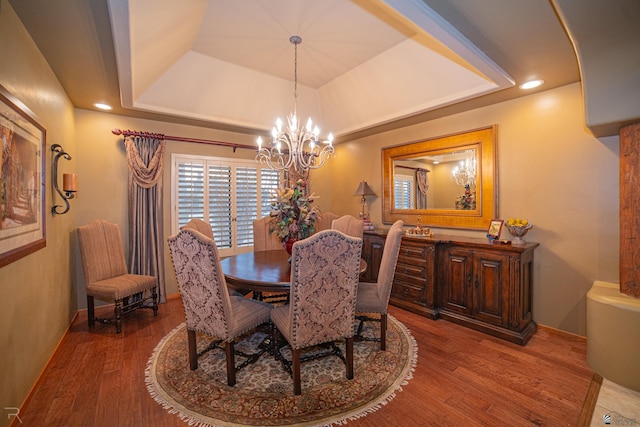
(262,271)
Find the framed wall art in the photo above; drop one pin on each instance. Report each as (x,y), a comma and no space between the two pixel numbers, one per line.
(22,179)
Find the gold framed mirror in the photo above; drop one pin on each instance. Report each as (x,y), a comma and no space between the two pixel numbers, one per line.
(448,181)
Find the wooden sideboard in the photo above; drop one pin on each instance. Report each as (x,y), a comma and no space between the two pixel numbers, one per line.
(481,285)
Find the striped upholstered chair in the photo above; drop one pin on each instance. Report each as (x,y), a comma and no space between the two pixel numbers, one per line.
(106,276)
(324,281)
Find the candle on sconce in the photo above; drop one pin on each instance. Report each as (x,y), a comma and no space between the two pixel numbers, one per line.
(70,182)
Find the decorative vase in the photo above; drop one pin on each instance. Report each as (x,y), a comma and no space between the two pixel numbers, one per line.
(288,245)
(518,231)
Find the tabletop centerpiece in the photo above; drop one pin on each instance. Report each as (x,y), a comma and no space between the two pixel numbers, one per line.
(293,217)
(518,228)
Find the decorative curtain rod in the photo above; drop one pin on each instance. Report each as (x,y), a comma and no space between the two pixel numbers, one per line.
(412,168)
(126,133)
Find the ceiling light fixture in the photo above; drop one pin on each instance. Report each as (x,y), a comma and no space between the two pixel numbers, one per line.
(465,173)
(531,84)
(102,106)
(293,146)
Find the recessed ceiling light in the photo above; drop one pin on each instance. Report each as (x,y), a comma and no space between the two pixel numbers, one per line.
(102,106)
(531,84)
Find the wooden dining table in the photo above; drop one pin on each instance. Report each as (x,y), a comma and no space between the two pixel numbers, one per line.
(262,271)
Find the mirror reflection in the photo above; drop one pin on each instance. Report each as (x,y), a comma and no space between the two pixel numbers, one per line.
(437,180)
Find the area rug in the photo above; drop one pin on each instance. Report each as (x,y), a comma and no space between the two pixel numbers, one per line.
(263,394)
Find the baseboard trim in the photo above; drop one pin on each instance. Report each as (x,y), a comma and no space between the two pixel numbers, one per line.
(15,422)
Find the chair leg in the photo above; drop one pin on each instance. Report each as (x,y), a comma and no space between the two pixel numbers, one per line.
(193,352)
(349,361)
(117,310)
(154,294)
(297,387)
(383,331)
(91,316)
(231,364)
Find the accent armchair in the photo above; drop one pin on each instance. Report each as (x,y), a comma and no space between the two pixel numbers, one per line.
(324,282)
(207,304)
(374,297)
(106,276)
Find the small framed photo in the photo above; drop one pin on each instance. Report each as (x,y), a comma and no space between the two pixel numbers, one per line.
(493,233)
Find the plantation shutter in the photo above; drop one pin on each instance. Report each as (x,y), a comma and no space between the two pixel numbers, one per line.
(403,192)
(219,190)
(246,204)
(228,195)
(191,194)
(270,181)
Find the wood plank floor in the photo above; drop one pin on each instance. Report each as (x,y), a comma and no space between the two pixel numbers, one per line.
(463,377)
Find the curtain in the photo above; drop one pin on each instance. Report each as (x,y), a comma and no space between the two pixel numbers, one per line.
(145,158)
(423,185)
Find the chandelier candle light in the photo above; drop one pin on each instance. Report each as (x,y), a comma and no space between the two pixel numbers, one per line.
(293,146)
(465,173)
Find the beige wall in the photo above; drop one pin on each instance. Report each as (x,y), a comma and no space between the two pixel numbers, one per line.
(38,291)
(550,170)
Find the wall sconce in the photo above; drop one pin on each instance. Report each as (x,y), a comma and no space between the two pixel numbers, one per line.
(364,190)
(69,180)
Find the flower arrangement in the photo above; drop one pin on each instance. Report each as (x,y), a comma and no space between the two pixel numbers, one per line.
(467,201)
(293,217)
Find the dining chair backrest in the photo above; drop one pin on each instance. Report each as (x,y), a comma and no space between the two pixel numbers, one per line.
(349,225)
(199,225)
(324,281)
(324,221)
(389,259)
(201,283)
(263,239)
(101,251)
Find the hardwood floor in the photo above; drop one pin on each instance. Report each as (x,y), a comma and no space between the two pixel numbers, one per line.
(463,377)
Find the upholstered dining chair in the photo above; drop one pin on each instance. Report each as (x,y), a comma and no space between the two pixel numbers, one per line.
(207,304)
(349,225)
(204,227)
(200,225)
(106,276)
(324,280)
(324,221)
(263,239)
(374,297)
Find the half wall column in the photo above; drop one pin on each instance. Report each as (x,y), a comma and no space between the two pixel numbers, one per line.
(630,210)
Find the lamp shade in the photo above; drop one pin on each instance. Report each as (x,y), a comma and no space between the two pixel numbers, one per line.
(364,190)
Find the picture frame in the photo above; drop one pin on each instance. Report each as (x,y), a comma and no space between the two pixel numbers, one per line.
(22,180)
(495,227)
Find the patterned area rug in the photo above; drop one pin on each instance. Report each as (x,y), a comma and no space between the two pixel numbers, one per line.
(263,394)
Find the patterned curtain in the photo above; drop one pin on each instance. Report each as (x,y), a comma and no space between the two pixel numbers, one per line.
(423,185)
(145,157)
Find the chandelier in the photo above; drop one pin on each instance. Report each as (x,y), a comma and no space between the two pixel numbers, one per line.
(465,173)
(292,145)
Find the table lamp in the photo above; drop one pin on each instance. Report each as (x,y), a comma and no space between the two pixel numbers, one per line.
(364,190)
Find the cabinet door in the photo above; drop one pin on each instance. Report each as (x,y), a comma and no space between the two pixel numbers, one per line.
(458,275)
(491,288)
(372,249)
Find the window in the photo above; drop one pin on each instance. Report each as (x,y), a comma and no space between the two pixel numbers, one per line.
(403,191)
(229,195)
